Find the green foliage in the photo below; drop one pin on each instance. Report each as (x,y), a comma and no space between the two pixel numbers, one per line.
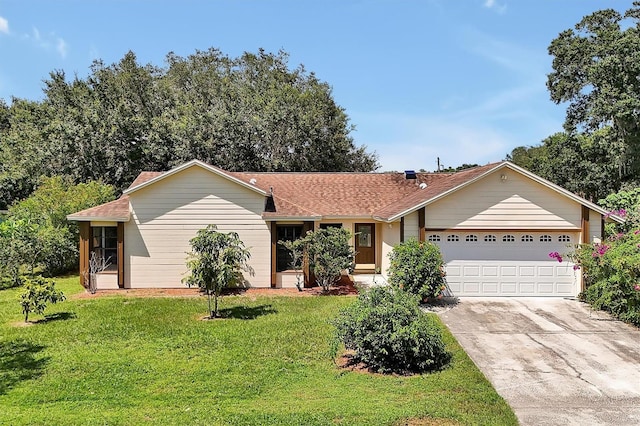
(37,293)
(595,70)
(37,233)
(390,334)
(582,163)
(216,262)
(15,248)
(329,254)
(611,271)
(418,268)
(252,112)
(624,203)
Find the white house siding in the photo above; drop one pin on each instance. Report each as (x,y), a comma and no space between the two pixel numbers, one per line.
(390,237)
(167,214)
(516,202)
(595,225)
(411,228)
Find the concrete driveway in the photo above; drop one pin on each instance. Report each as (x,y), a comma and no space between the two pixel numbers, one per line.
(553,360)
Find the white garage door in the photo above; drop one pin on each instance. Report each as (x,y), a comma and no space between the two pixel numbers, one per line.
(507,263)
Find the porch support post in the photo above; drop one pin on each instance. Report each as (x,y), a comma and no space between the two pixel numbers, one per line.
(402,229)
(120,253)
(274,248)
(421,225)
(85,237)
(309,277)
(585,225)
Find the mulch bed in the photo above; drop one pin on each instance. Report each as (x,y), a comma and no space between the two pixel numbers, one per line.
(345,287)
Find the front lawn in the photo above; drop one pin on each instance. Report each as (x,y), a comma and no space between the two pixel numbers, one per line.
(125,360)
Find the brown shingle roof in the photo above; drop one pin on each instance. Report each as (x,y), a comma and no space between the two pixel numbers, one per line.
(433,190)
(317,195)
(117,210)
(336,194)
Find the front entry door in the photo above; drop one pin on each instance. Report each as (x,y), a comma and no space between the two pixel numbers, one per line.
(365,243)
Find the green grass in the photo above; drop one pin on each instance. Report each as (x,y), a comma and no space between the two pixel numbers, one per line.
(120,360)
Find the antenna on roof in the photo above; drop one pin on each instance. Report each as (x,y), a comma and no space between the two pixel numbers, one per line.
(271,190)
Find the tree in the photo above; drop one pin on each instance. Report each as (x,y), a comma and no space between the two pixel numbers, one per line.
(15,248)
(418,268)
(595,70)
(216,262)
(328,253)
(24,150)
(252,113)
(582,163)
(37,293)
(37,230)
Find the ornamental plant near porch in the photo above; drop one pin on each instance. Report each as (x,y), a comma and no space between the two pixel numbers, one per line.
(417,267)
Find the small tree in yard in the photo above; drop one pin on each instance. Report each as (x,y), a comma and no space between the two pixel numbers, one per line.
(38,291)
(329,254)
(217,261)
(417,267)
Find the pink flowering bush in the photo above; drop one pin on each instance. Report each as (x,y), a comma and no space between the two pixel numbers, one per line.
(556,255)
(611,272)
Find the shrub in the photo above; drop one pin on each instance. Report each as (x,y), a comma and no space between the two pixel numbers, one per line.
(611,273)
(417,267)
(390,334)
(37,293)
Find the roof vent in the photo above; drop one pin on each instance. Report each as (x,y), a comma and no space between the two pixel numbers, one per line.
(252,181)
(423,185)
(410,174)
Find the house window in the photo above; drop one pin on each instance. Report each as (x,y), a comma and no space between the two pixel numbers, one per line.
(471,238)
(453,238)
(104,243)
(527,239)
(283,256)
(433,238)
(508,238)
(489,238)
(330,225)
(545,238)
(564,239)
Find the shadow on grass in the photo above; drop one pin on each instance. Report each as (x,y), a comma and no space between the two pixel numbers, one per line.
(246,312)
(58,316)
(18,362)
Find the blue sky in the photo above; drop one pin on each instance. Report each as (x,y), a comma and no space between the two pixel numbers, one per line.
(463,80)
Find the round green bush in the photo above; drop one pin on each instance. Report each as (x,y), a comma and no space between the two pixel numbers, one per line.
(388,332)
(417,267)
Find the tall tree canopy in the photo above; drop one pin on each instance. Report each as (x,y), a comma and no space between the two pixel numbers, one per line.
(251,113)
(596,71)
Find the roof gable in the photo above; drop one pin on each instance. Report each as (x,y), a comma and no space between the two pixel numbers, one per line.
(149,179)
(468,177)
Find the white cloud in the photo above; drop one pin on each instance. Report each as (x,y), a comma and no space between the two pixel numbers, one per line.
(4,25)
(61,47)
(48,42)
(494,5)
(417,142)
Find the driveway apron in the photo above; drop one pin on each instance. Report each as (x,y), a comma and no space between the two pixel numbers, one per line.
(555,361)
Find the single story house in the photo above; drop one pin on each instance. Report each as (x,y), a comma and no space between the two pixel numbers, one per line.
(495,224)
